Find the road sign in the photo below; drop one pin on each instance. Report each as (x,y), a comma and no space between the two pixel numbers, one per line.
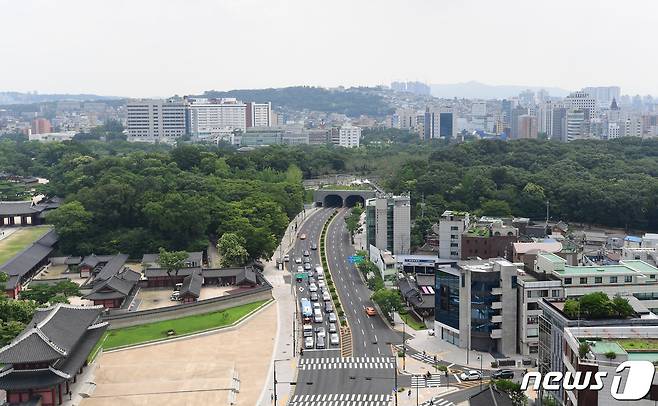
(301,275)
(355,259)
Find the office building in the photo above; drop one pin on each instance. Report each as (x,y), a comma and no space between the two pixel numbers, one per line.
(349,136)
(388,223)
(205,116)
(559,124)
(475,305)
(603,95)
(582,101)
(156,120)
(527,127)
(479,108)
(439,123)
(451,227)
(258,114)
(576,125)
(41,126)
(516,112)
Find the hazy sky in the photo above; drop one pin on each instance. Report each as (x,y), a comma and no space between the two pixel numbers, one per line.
(161,47)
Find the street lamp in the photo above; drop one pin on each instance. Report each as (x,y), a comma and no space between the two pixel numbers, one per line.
(481,373)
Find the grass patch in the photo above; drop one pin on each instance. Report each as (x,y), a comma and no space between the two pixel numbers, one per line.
(638,344)
(182,326)
(412,322)
(20,240)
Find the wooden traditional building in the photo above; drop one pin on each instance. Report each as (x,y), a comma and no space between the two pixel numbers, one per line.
(27,263)
(191,289)
(110,281)
(45,359)
(26,213)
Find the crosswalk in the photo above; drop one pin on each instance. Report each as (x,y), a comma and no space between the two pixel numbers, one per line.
(340,399)
(419,356)
(437,401)
(420,381)
(306,364)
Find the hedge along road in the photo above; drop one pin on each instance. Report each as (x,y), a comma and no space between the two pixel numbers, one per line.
(182,326)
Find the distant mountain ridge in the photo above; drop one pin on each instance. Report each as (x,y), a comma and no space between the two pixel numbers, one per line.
(7,98)
(477,90)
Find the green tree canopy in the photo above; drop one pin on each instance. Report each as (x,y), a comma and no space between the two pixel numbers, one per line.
(232,250)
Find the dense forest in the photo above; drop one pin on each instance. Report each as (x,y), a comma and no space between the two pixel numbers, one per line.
(352,102)
(135,198)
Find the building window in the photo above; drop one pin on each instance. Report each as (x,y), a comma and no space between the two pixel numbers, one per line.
(533,332)
(533,306)
(628,279)
(613,279)
(567,281)
(514,281)
(598,279)
(529,294)
(555,293)
(583,281)
(454,228)
(652,276)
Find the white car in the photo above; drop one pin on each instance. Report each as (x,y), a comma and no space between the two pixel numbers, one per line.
(312,287)
(317,305)
(298,260)
(309,343)
(471,375)
(320,276)
(325,296)
(286,258)
(300,269)
(333,338)
(321,283)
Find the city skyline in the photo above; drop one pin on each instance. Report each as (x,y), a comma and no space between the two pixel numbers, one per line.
(128,49)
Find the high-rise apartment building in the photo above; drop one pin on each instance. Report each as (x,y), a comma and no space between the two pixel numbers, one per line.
(156,120)
(527,126)
(349,136)
(576,125)
(516,112)
(41,126)
(388,223)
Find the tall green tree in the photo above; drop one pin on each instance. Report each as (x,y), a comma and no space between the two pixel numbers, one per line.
(172,262)
(232,250)
(72,222)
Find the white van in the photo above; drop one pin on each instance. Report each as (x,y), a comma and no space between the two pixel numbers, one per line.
(317,316)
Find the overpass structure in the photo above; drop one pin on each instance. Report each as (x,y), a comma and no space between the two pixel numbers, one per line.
(342,198)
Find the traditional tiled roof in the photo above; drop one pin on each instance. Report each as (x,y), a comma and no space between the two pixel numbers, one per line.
(117,287)
(17,208)
(27,259)
(112,267)
(192,285)
(153,260)
(242,274)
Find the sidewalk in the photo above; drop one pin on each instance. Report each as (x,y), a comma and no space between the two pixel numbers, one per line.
(414,367)
(449,353)
(286,370)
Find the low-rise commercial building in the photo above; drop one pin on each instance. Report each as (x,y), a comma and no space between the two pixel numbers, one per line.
(451,227)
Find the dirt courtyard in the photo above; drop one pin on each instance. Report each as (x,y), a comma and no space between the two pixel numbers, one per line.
(150,298)
(194,371)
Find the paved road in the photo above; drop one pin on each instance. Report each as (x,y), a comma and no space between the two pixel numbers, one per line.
(368,377)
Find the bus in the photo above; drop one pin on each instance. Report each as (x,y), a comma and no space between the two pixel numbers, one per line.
(306,309)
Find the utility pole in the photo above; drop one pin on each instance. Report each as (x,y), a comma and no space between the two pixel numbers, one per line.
(294,335)
(404,347)
(395,379)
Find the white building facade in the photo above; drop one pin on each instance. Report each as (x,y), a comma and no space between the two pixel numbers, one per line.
(349,136)
(155,120)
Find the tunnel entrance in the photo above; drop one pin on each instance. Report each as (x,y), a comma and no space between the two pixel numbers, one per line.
(353,200)
(333,201)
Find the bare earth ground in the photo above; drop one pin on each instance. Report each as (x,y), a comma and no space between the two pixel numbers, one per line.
(194,371)
(155,298)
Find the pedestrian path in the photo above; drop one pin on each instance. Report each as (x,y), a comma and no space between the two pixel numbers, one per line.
(421,381)
(347,363)
(341,399)
(419,356)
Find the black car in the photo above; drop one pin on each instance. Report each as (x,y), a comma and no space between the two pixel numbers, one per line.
(503,374)
(306,253)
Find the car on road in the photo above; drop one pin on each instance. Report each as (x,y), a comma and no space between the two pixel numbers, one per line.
(314,246)
(328,308)
(333,339)
(311,280)
(326,296)
(320,331)
(320,276)
(309,343)
(317,305)
(319,269)
(306,253)
(308,330)
(321,284)
(332,327)
(306,260)
(307,266)
(317,316)
(286,258)
(298,260)
(503,374)
(471,375)
(370,311)
(312,287)
(320,342)
(300,269)
(314,296)
(332,318)
(302,236)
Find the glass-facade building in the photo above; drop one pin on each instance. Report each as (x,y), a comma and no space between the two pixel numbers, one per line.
(446,305)
(482,298)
